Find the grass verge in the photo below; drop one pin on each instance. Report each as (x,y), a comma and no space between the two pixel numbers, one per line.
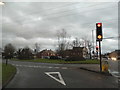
(8,72)
(62,61)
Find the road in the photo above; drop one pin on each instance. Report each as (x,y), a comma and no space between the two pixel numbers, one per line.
(33,75)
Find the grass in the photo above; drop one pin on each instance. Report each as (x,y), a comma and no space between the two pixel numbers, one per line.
(7,71)
(0,74)
(62,61)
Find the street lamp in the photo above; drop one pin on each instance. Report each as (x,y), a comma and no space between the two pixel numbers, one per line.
(93,41)
(93,46)
(2,3)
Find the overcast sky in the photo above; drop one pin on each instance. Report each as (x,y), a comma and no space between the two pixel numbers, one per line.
(27,23)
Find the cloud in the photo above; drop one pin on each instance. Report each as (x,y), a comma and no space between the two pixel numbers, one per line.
(25,23)
(62,1)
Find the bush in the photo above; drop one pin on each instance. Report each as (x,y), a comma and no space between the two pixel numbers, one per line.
(25,54)
(74,58)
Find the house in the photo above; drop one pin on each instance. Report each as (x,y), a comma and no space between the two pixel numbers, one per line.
(115,55)
(76,52)
(46,53)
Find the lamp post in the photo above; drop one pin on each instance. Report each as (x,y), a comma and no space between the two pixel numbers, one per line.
(2,3)
(93,46)
(93,39)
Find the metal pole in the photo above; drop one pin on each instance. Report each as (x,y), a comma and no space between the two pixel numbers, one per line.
(93,42)
(96,52)
(93,39)
(100,56)
(6,61)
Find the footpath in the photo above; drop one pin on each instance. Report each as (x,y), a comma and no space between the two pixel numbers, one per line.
(93,68)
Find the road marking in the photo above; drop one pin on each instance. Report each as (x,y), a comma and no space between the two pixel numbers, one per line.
(30,66)
(18,65)
(39,66)
(60,80)
(56,67)
(50,67)
(13,64)
(64,68)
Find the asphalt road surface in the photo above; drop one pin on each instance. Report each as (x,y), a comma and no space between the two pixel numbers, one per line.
(33,75)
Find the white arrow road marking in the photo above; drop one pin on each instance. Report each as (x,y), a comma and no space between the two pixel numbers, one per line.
(59,80)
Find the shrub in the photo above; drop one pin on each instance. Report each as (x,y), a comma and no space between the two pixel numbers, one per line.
(74,58)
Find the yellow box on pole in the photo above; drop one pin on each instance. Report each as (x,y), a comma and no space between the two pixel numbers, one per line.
(105,66)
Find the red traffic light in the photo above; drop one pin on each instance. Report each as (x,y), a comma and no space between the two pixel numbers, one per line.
(97,46)
(99,24)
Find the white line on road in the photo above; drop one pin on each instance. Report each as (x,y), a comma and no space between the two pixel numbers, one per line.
(13,64)
(57,67)
(60,80)
(64,68)
(18,65)
(30,66)
(39,66)
(50,67)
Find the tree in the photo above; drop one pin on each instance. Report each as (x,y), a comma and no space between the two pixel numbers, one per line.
(88,45)
(61,35)
(25,53)
(76,43)
(9,50)
(62,41)
(19,53)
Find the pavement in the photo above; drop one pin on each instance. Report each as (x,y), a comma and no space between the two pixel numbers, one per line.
(94,68)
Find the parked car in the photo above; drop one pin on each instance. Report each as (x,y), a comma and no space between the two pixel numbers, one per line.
(55,57)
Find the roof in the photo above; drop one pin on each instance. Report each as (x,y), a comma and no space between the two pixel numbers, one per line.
(47,51)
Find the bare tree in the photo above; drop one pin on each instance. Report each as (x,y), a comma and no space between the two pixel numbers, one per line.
(68,45)
(88,45)
(62,36)
(62,41)
(76,43)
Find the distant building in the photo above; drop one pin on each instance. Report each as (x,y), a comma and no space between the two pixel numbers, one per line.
(115,55)
(76,51)
(46,53)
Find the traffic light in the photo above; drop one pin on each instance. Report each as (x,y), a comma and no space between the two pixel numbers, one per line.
(97,48)
(99,35)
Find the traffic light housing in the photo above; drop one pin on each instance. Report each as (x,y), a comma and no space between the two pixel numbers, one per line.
(99,35)
(97,47)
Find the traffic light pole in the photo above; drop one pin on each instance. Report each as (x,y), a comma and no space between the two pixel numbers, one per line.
(100,56)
